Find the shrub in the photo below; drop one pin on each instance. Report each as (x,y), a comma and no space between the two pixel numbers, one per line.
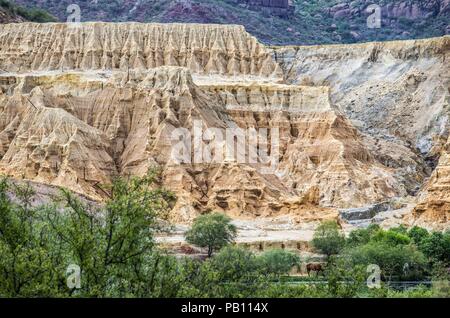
(345,279)
(362,236)
(237,273)
(213,231)
(418,234)
(418,292)
(400,229)
(436,247)
(235,264)
(328,238)
(278,261)
(398,260)
(112,245)
(391,238)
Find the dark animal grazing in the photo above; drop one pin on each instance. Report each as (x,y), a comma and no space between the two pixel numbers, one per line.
(314,267)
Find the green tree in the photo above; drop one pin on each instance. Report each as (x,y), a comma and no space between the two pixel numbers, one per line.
(237,272)
(200,279)
(212,231)
(30,257)
(278,261)
(345,279)
(328,238)
(362,236)
(436,247)
(418,234)
(399,260)
(112,244)
(391,238)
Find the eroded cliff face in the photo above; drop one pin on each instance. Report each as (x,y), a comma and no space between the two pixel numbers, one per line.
(395,93)
(319,147)
(398,88)
(79,133)
(433,209)
(208,49)
(79,107)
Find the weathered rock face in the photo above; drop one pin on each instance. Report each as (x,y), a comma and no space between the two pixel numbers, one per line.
(434,203)
(318,145)
(365,213)
(391,10)
(125,126)
(67,130)
(367,80)
(77,110)
(209,49)
(52,146)
(395,93)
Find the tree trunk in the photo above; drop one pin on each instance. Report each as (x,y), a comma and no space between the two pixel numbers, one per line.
(210,251)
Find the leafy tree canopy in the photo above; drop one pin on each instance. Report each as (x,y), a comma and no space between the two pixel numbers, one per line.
(328,238)
(212,231)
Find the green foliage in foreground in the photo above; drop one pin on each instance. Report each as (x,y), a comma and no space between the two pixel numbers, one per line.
(279,262)
(434,247)
(403,261)
(113,246)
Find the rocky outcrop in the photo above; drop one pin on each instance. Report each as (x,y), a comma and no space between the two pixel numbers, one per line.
(125,125)
(356,125)
(320,148)
(395,93)
(271,97)
(434,202)
(52,146)
(364,213)
(71,155)
(391,9)
(207,49)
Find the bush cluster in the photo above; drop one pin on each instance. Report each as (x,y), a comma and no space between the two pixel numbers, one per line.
(111,248)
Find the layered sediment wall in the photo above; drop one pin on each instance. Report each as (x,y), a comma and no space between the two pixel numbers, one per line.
(357,125)
(206,49)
